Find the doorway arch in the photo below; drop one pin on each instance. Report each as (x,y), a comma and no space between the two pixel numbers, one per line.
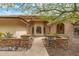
(60,28)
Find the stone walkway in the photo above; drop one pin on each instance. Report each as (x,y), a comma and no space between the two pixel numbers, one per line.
(37,49)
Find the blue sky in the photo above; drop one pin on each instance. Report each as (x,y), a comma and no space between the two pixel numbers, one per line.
(14,10)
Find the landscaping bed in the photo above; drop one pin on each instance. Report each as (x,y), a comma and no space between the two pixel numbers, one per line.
(14,44)
(56,42)
(73,49)
(56,45)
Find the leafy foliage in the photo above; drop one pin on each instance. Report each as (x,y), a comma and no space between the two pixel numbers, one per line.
(1,34)
(59,12)
(52,12)
(8,35)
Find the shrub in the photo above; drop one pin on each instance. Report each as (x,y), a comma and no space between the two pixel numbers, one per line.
(8,35)
(25,37)
(1,34)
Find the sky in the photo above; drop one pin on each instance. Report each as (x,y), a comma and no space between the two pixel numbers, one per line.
(14,10)
(18,10)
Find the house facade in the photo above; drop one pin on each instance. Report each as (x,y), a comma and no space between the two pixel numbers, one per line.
(32,25)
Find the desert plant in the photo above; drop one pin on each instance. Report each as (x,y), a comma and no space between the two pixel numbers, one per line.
(8,35)
(1,34)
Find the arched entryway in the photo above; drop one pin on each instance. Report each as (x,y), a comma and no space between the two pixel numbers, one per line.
(60,28)
(38,29)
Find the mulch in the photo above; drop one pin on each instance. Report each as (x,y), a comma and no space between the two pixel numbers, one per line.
(73,50)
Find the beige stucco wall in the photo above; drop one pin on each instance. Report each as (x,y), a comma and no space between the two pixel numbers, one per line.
(12,29)
(69,29)
(53,28)
(13,25)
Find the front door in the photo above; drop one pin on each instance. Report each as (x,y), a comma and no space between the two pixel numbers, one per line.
(38,30)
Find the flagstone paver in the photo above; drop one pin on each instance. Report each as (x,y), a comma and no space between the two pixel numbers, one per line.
(37,49)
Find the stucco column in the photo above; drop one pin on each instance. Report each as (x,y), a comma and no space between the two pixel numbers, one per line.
(46,29)
(53,28)
(69,29)
(28,29)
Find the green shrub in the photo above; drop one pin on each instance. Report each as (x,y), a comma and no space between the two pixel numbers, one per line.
(53,34)
(1,34)
(8,35)
(25,37)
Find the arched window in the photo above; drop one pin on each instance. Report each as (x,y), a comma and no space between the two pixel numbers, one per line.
(60,28)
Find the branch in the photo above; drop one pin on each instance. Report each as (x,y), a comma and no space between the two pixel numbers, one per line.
(59,15)
(75,7)
(20,7)
(49,10)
